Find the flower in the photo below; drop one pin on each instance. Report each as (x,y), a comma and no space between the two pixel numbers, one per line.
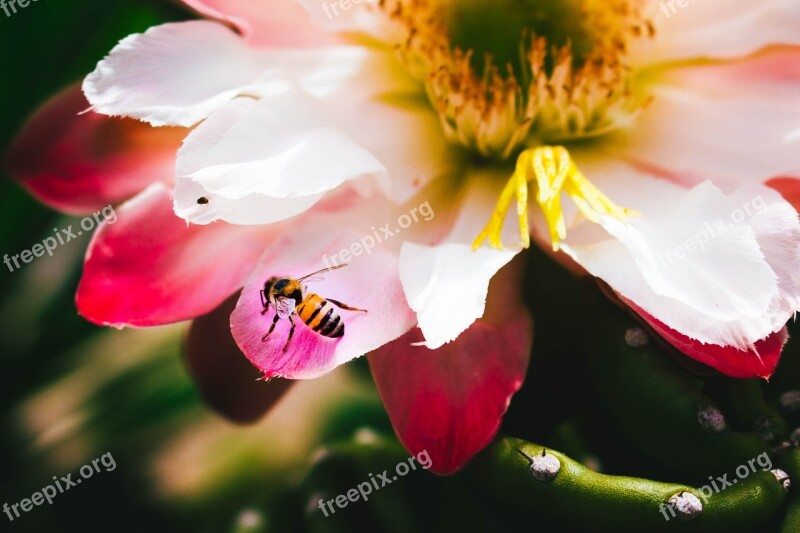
(660,129)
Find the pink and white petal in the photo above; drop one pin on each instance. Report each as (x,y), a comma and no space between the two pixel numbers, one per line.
(369,282)
(450,401)
(718,29)
(788,187)
(148,268)
(729,140)
(359,16)
(771,74)
(79,163)
(225,379)
(264,152)
(759,361)
(273,23)
(674,261)
(446,284)
(173,74)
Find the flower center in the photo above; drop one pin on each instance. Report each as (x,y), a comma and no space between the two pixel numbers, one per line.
(509,74)
(496,31)
(510,77)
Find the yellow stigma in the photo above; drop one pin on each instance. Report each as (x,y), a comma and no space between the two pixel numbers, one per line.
(552,171)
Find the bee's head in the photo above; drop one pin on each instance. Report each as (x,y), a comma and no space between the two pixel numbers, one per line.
(283,287)
(280,285)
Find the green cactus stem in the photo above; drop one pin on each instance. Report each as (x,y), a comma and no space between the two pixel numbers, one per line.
(790,463)
(656,405)
(579,499)
(743,402)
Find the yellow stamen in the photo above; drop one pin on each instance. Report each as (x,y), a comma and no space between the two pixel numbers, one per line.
(553,171)
(574,84)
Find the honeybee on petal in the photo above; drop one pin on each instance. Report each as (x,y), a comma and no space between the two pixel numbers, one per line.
(291,297)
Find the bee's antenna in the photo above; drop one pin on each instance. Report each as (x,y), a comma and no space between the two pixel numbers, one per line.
(328,269)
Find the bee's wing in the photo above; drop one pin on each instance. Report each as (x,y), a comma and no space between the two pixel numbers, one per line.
(284,306)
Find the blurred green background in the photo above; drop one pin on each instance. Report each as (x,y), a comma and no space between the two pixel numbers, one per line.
(45,47)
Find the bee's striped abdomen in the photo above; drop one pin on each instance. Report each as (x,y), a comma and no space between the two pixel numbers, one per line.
(320,315)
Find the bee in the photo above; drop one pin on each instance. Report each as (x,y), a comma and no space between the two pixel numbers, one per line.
(290,296)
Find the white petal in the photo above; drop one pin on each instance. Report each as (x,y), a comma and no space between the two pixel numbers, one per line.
(447,285)
(716,28)
(173,74)
(250,210)
(372,99)
(313,129)
(777,229)
(341,74)
(687,260)
(407,139)
(269,151)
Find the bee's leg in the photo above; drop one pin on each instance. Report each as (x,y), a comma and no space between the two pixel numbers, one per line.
(272,327)
(345,306)
(291,333)
(264,303)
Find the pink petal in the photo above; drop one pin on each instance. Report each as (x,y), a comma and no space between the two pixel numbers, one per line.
(350,17)
(225,379)
(81,163)
(369,282)
(758,363)
(450,401)
(149,269)
(266,23)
